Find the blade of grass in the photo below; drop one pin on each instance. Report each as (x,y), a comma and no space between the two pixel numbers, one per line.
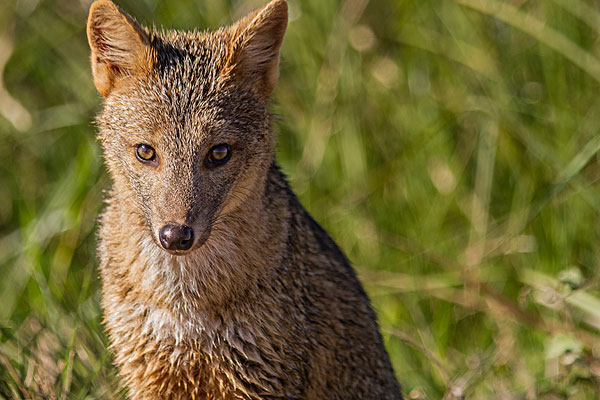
(589,15)
(550,37)
(67,373)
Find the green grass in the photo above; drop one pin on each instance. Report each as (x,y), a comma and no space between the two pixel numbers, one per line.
(450,147)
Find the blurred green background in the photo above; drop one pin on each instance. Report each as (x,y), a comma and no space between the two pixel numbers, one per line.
(450,147)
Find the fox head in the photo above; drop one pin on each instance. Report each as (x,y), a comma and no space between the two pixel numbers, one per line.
(185,127)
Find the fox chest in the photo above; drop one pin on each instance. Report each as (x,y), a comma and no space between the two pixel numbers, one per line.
(197,365)
(161,375)
(155,369)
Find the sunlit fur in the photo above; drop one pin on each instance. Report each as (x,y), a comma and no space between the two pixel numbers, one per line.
(264,304)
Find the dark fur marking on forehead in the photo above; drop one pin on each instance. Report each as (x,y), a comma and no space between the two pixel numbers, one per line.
(187,67)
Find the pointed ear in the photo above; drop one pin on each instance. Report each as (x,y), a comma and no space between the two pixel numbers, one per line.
(119,45)
(254,53)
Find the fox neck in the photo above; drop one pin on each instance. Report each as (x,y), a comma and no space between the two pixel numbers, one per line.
(179,292)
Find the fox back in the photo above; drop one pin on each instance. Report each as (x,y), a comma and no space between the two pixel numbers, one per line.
(216,283)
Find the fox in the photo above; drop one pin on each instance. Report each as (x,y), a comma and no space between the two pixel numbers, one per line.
(216,282)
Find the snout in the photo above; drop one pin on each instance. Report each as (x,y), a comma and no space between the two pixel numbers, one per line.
(176,237)
(180,239)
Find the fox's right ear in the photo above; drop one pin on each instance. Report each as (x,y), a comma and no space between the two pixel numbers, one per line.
(119,44)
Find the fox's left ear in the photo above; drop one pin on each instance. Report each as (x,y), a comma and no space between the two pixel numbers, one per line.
(254,52)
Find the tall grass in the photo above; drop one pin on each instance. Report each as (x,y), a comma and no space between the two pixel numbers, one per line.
(450,147)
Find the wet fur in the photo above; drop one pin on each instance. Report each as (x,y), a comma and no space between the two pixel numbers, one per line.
(265,305)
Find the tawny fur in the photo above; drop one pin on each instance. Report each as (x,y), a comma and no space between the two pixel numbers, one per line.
(264,305)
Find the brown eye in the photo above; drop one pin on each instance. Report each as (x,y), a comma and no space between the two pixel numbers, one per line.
(218,155)
(145,153)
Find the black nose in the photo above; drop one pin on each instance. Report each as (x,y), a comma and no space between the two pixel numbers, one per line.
(176,237)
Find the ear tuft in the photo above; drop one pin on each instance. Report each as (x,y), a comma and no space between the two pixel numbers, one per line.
(117,42)
(256,44)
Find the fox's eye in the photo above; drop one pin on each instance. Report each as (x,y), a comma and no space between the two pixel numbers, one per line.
(145,153)
(218,155)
